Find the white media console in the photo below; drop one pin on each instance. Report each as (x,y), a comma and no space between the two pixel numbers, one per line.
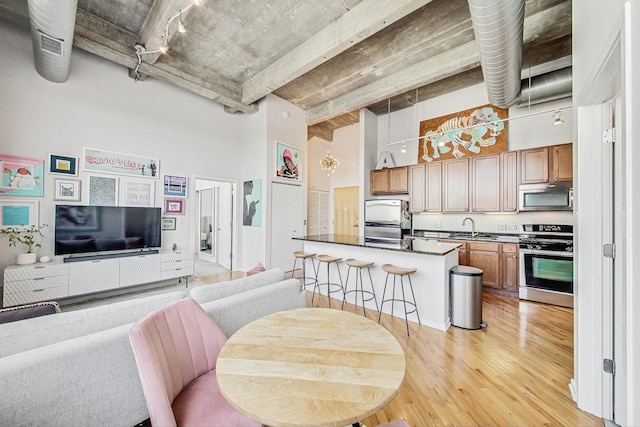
(25,284)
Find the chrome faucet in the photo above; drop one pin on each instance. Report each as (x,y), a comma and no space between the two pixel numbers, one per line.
(474,233)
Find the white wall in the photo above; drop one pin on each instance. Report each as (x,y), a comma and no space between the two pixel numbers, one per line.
(101,107)
(345,147)
(317,178)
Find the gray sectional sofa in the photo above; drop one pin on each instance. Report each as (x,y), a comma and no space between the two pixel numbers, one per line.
(76,368)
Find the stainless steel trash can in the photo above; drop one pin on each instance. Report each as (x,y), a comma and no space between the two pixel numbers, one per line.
(466,297)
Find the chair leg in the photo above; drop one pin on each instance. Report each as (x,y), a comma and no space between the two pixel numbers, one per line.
(384,291)
(328,286)
(293,270)
(344,295)
(361,293)
(414,300)
(393,295)
(373,290)
(404,301)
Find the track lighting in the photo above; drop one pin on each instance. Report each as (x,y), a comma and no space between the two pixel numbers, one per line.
(557,118)
(181,28)
(164,48)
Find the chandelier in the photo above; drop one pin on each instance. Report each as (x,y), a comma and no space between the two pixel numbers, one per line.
(329,163)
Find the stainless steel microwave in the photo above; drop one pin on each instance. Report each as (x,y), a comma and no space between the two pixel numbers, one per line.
(545,197)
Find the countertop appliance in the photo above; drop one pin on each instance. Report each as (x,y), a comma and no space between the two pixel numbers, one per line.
(546,197)
(546,264)
(386,222)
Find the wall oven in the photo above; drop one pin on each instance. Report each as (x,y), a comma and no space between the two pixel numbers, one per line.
(546,264)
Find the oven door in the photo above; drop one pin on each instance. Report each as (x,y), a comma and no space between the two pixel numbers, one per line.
(547,270)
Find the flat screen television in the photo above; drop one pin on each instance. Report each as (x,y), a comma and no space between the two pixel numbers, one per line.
(84,229)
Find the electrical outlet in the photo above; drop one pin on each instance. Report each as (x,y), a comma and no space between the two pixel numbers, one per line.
(502,227)
(513,226)
(437,225)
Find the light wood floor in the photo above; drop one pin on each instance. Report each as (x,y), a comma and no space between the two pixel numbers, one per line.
(513,373)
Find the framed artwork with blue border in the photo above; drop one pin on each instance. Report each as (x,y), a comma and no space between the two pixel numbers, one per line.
(63,165)
(16,213)
(175,186)
(21,176)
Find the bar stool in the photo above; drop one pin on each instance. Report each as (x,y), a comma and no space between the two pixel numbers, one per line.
(303,257)
(338,287)
(399,271)
(359,265)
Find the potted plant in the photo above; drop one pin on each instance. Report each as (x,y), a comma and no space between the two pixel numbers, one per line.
(26,235)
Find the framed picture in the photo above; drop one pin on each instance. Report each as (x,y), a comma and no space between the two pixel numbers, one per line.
(63,165)
(168,223)
(21,176)
(85,218)
(68,190)
(175,186)
(252,196)
(18,212)
(103,190)
(94,160)
(137,192)
(174,206)
(288,162)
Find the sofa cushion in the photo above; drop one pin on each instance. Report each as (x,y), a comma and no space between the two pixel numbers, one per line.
(32,333)
(28,311)
(216,291)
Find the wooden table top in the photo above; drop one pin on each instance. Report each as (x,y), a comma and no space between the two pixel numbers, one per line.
(310,367)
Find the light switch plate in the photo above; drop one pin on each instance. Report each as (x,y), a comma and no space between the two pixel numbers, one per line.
(513,226)
(502,227)
(437,225)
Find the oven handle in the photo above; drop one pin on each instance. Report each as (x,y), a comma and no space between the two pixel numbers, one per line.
(553,253)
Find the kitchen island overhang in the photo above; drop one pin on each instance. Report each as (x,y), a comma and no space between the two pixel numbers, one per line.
(433,261)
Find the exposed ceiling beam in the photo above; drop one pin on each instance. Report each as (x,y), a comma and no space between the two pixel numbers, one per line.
(153,30)
(367,18)
(451,62)
(101,38)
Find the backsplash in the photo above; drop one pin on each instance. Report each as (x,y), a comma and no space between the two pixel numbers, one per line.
(489,223)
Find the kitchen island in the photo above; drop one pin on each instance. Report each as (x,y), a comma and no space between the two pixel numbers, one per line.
(432,259)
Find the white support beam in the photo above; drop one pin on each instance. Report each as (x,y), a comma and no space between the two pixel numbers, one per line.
(153,30)
(446,64)
(367,18)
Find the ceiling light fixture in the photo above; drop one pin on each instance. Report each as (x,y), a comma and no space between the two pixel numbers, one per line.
(329,163)
(557,115)
(163,49)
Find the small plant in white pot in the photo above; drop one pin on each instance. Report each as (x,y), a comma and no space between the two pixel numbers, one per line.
(26,235)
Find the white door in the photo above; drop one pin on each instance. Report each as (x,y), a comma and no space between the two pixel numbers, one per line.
(286,222)
(225,224)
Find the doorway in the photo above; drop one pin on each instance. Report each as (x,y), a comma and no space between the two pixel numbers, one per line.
(213,226)
(287,221)
(346,205)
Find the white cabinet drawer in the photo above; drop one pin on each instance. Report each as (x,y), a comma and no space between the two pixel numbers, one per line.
(13,273)
(35,284)
(172,265)
(93,276)
(175,273)
(139,269)
(174,256)
(35,296)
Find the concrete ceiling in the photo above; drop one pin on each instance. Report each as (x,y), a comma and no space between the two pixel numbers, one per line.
(329,57)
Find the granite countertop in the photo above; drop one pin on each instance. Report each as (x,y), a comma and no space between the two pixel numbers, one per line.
(408,244)
(461,235)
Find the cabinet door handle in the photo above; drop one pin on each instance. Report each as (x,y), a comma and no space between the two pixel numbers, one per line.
(38,290)
(40,266)
(38,278)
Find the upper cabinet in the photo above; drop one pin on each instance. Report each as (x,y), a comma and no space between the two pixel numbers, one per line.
(425,187)
(509,181)
(546,164)
(389,181)
(456,185)
(485,183)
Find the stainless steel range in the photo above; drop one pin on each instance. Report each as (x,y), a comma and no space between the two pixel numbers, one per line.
(546,264)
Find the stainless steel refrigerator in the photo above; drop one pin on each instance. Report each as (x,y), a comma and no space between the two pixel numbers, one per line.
(386,222)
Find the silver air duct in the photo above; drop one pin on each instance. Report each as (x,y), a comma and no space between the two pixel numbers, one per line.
(498,26)
(546,87)
(52,26)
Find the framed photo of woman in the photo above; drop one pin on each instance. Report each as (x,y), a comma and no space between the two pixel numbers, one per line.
(288,162)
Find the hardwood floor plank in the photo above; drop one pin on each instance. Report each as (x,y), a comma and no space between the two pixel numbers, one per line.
(513,373)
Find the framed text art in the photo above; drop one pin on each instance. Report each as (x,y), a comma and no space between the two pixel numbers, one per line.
(137,192)
(103,190)
(15,213)
(68,190)
(174,206)
(21,176)
(168,223)
(94,160)
(175,186)
(288,162)
(63,165)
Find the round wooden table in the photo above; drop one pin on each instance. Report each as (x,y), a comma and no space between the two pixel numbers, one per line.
(310,367)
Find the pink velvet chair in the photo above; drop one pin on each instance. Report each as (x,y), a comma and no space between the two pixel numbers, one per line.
(176,350)
(395,423)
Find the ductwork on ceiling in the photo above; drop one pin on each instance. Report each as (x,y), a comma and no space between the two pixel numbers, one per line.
(52,26)
(498,27)
(546,87)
